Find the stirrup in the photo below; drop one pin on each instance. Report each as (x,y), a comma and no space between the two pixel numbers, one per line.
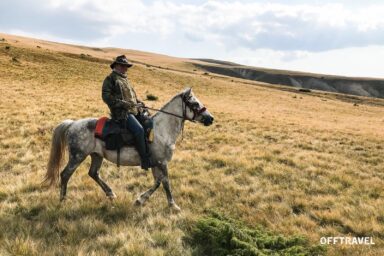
(151,136)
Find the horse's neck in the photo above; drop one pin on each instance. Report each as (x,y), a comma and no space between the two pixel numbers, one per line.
(168,127)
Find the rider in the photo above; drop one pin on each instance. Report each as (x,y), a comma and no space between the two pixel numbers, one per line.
(122,101)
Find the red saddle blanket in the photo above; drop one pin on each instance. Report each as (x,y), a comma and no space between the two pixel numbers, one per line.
(100,126)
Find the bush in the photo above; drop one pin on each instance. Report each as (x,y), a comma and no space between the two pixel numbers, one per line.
(151,97)
(220,236)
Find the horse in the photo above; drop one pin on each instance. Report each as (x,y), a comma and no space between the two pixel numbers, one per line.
(78,136)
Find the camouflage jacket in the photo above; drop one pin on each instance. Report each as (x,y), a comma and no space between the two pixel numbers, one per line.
(116,89)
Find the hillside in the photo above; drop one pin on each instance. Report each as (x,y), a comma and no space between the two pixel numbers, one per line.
(293,163)
(355,86)
(347,85)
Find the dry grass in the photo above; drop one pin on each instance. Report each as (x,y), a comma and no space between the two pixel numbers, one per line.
(293,163)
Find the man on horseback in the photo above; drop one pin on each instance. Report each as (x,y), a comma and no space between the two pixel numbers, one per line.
(125,108)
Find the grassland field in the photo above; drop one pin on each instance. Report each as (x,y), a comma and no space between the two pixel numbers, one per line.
(307,164)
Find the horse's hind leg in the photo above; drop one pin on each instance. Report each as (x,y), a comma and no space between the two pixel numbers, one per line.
(74,161)
(94,173)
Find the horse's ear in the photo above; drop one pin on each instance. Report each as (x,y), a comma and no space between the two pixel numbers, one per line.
(187,91)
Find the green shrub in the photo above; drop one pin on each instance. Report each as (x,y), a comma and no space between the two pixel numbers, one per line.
(221,236)
(151,97)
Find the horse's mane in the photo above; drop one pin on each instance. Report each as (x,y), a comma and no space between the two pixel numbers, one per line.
(169,102)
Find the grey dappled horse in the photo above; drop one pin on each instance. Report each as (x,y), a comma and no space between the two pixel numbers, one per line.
(79,137)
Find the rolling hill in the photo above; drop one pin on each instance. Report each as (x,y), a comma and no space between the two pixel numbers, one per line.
(347,85)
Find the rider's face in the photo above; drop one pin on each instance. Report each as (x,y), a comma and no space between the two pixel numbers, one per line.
(121,68)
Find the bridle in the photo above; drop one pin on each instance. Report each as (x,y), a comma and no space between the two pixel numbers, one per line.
(194,106)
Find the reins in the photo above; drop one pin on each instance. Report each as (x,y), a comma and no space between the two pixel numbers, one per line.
(169,113)
(184,116)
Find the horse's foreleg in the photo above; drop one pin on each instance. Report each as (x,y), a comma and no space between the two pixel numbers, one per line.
(74,162)
(167,188)
(157,175)
(94,173)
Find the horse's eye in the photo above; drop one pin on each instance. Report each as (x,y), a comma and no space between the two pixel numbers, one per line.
(195,105)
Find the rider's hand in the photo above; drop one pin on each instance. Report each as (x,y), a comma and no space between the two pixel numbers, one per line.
(125,104)
(140,106)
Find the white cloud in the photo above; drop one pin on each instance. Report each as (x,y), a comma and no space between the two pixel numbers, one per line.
(253,25)
(263,33)
(353,61)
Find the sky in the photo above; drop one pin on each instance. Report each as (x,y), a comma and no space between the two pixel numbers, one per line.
(329,37)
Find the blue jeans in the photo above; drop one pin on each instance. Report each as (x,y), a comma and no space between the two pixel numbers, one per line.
(133,125)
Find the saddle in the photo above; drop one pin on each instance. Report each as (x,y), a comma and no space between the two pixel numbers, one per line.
(116,136)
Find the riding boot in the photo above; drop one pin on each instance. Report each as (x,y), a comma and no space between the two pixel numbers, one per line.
(144,155)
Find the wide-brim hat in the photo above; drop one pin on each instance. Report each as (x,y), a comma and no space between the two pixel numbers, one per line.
(122,60)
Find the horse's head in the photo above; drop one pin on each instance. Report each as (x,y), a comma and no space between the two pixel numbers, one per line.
(194,110)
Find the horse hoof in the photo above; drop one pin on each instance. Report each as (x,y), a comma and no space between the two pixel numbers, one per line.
(138,202)
(111,196)
(62,199)
(175,207)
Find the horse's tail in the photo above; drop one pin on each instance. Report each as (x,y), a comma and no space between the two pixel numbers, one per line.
(57,153)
